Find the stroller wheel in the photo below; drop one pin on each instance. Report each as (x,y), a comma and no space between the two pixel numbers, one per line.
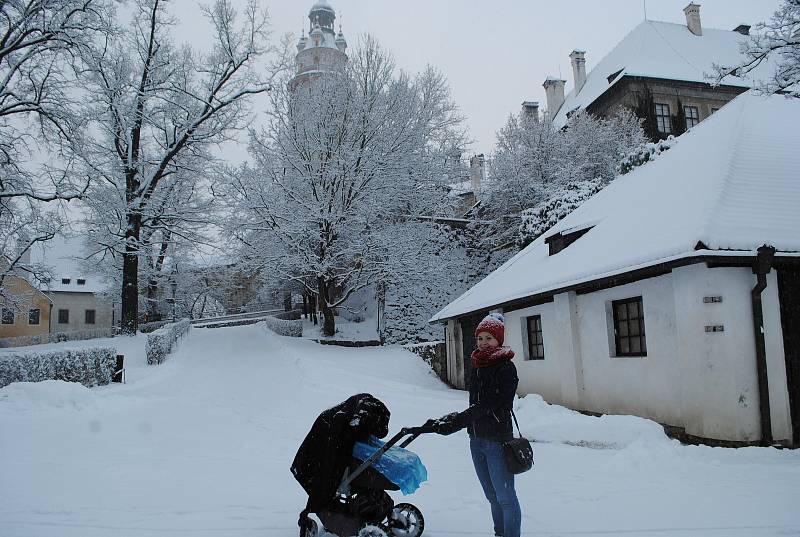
(312,529)
(372,530)
(406,521)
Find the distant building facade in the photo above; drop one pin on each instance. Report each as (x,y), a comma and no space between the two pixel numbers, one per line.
(24,310)
(659,71)
(323,50)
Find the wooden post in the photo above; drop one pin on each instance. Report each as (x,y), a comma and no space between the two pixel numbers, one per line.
(119,370)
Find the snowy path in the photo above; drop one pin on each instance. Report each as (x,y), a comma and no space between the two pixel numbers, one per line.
(202,444)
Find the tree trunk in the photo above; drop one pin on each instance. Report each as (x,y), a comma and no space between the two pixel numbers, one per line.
(328,320)
(130,276)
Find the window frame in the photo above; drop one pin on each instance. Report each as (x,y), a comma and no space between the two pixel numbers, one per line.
(663,118)
(640,327)
(66,316)
(93,316)
(38,316)
(80,281)
(534,343)
(693,120)
(4,313)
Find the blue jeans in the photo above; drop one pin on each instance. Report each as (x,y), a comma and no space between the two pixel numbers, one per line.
(498,485)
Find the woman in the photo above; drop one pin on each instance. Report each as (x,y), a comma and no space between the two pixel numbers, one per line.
(492,385)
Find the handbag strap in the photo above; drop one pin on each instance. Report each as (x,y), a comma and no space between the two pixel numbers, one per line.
(516,422)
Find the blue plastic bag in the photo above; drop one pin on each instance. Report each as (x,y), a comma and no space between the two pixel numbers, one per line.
(400,466)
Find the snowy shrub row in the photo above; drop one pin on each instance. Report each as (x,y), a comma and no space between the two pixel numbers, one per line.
(90,366)
(433,353)
(292,315)
(539,219)
(160,343)
(56,337)
(282,327)
(148,328)
(645,154)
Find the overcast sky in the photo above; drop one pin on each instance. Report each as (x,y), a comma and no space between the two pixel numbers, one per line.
(496,54)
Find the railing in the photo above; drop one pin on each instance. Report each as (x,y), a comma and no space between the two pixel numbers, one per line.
(237,316)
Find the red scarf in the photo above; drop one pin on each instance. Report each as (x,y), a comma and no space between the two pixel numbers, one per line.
(485,359)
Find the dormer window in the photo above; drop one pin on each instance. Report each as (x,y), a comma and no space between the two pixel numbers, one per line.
(80,281)
(65,281)
(562,239)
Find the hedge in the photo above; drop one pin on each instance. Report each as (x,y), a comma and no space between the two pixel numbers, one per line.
(56,337)
(91,366)
(160,343)
(293,328)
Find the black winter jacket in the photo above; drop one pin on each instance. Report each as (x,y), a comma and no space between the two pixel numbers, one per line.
(491,398)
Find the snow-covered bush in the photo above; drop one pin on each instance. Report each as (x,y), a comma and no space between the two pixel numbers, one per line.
(147,328)
(283,327)
(56,337)
(644,154)
(91,366)
(545,215)
(160,343)
(433,353)
(292,315)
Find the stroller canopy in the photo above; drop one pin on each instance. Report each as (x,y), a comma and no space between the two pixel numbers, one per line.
(327,448)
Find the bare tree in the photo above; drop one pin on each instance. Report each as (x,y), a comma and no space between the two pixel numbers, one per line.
(342,159)
(159,109)
(776,41)
(40,126)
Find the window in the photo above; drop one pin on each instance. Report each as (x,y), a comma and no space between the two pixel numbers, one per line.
(561,240)
(692,115)
(80,281)
(63,316)
(8,316)
(89,319)
(33,316)
(714,109)
(629,333)
(535,341)
(663,122)
(65,281)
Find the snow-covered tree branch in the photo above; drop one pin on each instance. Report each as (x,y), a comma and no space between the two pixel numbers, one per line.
(776,41)
(159,109)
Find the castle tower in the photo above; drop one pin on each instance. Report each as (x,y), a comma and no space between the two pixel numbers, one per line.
(323,51)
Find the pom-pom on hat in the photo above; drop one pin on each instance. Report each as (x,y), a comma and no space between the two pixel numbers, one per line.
(493,324)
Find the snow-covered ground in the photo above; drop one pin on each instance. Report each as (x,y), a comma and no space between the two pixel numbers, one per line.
(201,445)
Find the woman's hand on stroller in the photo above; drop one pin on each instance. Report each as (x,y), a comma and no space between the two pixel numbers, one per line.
(445,425)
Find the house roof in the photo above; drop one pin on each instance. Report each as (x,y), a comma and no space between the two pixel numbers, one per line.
(62,257)
(662,50)
(731,182)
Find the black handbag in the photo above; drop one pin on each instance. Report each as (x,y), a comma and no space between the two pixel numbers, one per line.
(518,452)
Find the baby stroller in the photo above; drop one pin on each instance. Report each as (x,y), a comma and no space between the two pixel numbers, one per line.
(347,495)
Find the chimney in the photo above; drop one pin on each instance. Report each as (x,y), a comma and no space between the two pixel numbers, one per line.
(554,89)
(578,58)
(692,12)
(530,109)
(476,173)
(743,29)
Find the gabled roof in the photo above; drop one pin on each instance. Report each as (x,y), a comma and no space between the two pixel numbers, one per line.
(731,182)
(661,50)
(62,257)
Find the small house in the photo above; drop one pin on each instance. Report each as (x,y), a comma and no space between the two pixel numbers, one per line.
(672,294)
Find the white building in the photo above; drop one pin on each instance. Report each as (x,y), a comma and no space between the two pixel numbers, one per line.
(660,71)
(323,50)
(660,296)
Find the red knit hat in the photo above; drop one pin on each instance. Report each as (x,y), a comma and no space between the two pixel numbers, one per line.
(493,324)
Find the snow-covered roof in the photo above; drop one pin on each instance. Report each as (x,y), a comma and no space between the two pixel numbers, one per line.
(731,182)
(662,50)
(322,5)
(328,40)
(62,257)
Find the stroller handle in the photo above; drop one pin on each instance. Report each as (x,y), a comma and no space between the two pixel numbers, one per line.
(411,432)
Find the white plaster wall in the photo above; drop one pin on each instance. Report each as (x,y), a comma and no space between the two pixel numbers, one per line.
(703,382)
(77,304)
(646,386)
(543,377)
(721,398)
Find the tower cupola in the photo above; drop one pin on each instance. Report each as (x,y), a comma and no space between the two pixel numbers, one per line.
(322,14)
